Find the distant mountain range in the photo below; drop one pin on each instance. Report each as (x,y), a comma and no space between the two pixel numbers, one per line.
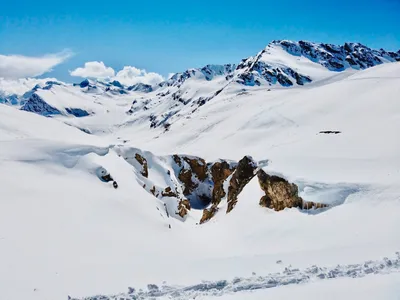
(282,63)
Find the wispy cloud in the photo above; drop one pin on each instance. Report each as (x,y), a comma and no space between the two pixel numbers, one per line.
(19,66)
(22,85)
(128,75)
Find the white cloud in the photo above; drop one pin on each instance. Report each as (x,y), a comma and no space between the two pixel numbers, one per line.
(131,75)
(93,69)
(20,86)
(128,75)
(18,66)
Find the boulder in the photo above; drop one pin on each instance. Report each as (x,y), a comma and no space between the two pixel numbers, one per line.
(183,208)
(281,194)
(208,213)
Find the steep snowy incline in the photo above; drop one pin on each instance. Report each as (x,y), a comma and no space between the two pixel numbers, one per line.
(291,63)
(285,125)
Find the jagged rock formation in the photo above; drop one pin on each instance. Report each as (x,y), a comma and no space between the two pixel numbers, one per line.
(254,70)
(143,162)
(339,57)
(266,67)
(281,194)
(193,174)
(192,183)
(9,99)
(167,192)
(220,171)
(37,105)
(240,178)
(207,72)
(284,63)
(183,208)
(141,87)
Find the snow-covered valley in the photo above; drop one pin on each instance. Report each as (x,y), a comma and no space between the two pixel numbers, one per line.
(103,187)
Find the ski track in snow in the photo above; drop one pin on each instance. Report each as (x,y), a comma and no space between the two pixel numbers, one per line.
(289,276)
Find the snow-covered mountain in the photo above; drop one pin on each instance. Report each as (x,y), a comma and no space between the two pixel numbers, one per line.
(282,63)
(289,63)
(224,173)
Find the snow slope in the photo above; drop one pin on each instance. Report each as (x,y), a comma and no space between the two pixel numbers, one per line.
(63,231)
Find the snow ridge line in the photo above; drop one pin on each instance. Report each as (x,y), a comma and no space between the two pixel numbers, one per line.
(239,284)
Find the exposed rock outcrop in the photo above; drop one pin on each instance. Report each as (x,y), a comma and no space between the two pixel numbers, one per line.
(37,105)
(208,213)
(105,176)
(189,182)
(281,194)
(240,178)
(183,208)
(198,167)
(141,160)
(168,192)
(220,171)
(193,174)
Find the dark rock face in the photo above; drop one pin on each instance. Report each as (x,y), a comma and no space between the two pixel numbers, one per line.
(242,176)
(193,175)
(198,167)
(220,171)
(141,160)
(281,194)
(339,57)
(196,184)
(141,87)
(333,57)
(168,192)
(107,178)
(117,84)
(77,112)
(183,208)
(9,99)
(208,214)
(84,83)
(185,176)
(37,105)
(285,76)
(208,72)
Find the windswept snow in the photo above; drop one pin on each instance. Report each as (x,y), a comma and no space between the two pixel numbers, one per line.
(63,231)
(289,276)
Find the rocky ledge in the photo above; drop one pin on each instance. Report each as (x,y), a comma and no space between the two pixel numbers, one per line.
(193,183)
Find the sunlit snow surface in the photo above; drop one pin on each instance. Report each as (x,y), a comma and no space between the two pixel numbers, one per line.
(64,232)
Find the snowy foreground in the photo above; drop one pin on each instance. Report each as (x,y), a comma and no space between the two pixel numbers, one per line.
(64,232)
(289,276)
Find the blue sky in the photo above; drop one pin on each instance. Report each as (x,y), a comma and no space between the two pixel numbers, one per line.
(171,36)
